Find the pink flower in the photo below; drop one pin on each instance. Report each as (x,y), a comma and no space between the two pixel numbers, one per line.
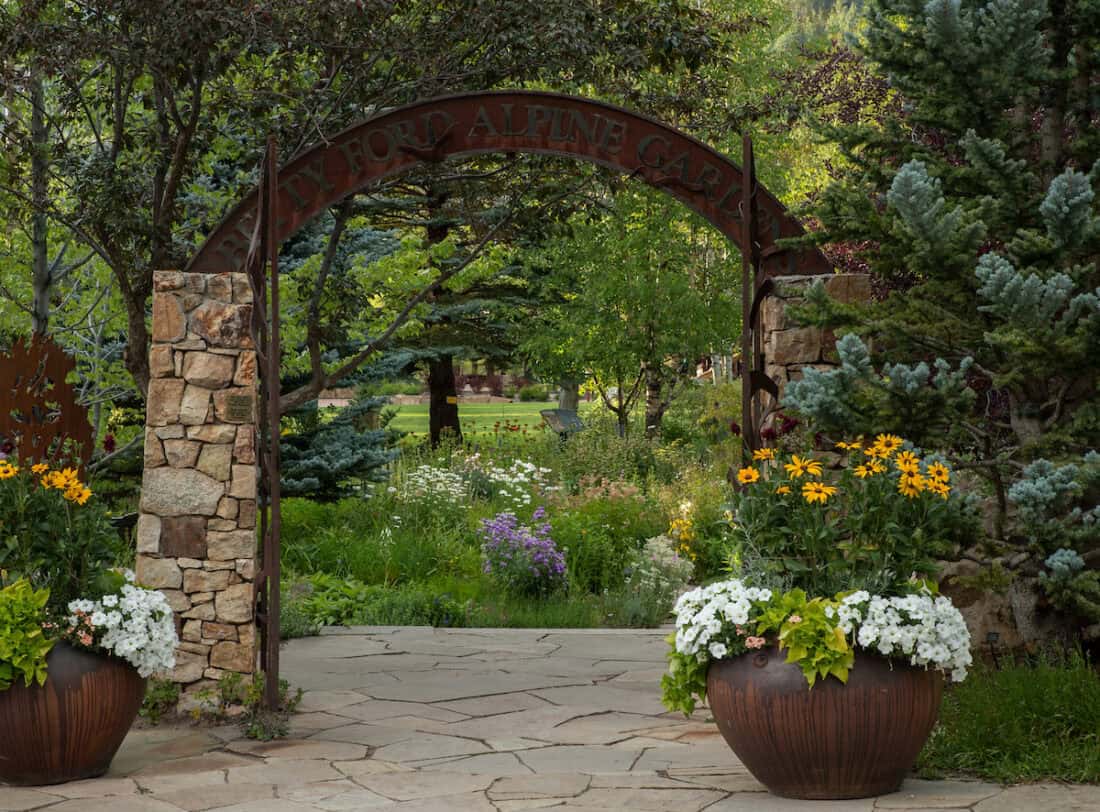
(794,619)
(739,630)
(754,642)
(85,639)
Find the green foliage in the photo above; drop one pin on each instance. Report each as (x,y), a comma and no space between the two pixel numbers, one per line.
(686,681)
(853,399)
(327,600)
(601,536)
(329,459)
(52,539)
(1034,721)
(626,304)
(161,696)
(534,392)
(23,643)
(814,640)
(256,721)
(1069,587)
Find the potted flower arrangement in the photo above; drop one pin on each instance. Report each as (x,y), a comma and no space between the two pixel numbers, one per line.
(77,636)
(823,660)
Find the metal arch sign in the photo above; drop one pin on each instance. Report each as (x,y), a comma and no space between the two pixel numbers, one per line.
(515,121)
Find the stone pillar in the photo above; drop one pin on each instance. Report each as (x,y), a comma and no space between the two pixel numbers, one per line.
(787,347)
(196,534)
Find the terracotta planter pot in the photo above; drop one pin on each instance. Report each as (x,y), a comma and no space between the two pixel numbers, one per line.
(71,727)
(832,741)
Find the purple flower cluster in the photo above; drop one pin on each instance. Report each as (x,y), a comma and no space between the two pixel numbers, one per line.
(524,558)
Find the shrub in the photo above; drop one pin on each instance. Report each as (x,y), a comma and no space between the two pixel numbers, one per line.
(534,392)
(1035,721)
(522,558)
(601,534)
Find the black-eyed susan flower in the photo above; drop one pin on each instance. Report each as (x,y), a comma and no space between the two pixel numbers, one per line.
(877,467)
(855,445)
(799,466)
(747,475)
(911,485)
(908,462)
(938,472)
(761,454)
(941,489)
(864,471)
(783,490)
(7,470)
(817,492)
(39,468)
(888,443)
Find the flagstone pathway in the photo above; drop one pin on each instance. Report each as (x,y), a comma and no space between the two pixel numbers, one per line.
(416,719)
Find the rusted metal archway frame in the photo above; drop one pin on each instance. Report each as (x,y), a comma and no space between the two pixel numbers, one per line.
(491,122)
(467,124)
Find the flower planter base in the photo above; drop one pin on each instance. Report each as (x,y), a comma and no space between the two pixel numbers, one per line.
(71,727)
(830,742)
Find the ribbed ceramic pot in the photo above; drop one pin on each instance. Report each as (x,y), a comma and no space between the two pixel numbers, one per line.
(833,741)
(71,727)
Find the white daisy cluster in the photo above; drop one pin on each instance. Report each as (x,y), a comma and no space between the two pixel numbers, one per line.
(136,624)
(710,615)
(929,631)
(516,485)
(435,484)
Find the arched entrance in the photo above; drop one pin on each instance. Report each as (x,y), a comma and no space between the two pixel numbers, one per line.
(196,533)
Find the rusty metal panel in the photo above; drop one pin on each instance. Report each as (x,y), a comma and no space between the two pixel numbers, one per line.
(515,121)
(40,418)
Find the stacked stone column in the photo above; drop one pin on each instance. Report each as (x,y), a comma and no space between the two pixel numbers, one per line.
(196,536)
(787,347)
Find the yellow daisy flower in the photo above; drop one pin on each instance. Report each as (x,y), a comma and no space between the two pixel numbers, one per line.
(7,470)
(802,465)
(889,443)
(747,475)
(939,472)
(40,468)
(876,453)
(911,485)
(761,454)
(817,492)
(908,462)
(783,490)
(863,471)
(941,489)
(877,467)
(855,445)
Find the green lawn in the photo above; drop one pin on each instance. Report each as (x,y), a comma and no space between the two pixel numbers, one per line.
(477,418)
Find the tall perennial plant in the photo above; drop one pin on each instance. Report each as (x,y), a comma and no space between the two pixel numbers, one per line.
(523,558)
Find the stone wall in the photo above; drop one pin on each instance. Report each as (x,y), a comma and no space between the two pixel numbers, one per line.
(196,536)
(787,347)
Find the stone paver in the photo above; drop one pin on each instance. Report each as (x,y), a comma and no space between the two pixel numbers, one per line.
(418,720)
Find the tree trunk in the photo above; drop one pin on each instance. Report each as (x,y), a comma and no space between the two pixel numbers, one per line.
(443,402)
(137,341)
(655,404)
(570,397)
(42,283)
